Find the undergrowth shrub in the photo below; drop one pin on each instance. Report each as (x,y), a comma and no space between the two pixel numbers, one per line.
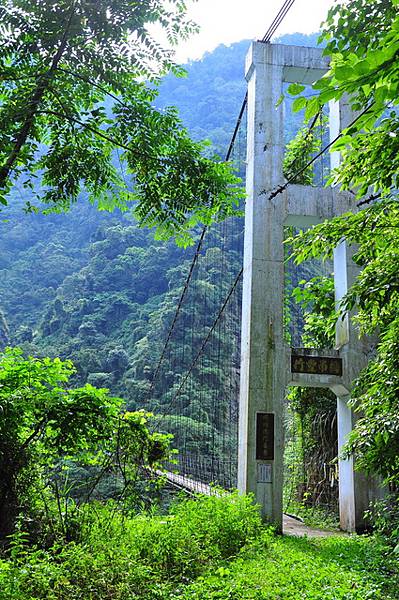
(384,517)
(123,558)
(197,532)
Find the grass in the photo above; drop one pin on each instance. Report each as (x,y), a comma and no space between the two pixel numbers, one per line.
(291,568)
(212,548)
(314,516)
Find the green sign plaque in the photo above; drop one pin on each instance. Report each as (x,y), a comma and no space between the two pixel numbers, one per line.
(317,365)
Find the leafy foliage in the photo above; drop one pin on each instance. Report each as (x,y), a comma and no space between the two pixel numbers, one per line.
(364,66)
(294,568)
(206,548)
(72,108)
(384,514)
(375,438)
(145,556)
(301,148)
(47,427)
(38,254)
(317,298)
(93,288)
(363,42)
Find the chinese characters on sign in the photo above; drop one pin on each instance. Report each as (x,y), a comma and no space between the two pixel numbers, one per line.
(264,436)
(318,365)
(264,473)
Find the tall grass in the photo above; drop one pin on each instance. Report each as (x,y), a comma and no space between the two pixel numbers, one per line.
(122,558)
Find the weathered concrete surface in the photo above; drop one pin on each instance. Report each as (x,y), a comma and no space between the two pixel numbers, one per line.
(263,365)
(296,528)
(265,358)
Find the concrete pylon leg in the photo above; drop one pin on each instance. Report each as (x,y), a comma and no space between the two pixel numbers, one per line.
(356,490)
(260,465)
(347,504)
(263,375)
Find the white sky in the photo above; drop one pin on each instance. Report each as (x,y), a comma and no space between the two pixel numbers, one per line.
(228,21)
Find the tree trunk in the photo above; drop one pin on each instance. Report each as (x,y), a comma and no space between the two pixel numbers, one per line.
(33,106)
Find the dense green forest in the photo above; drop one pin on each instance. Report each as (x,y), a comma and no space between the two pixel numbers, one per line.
(91,294)
(93,287)
(104,292)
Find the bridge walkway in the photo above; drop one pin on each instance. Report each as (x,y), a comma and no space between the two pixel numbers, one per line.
(291,525)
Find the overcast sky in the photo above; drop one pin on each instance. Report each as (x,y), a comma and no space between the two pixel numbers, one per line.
(228,21)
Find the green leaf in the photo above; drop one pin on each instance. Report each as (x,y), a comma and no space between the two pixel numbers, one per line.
(342,143)
(299,104)
(280,100)
(362,67)
(344,73)
(295,88)
(312,108)
(321,83)
(328,95)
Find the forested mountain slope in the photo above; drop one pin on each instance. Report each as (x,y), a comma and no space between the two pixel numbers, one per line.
(91,286)
(210,97)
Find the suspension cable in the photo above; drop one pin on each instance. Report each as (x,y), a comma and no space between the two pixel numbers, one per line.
(179,305)
(236,128)
(277,21)
(207,338)
(266,38)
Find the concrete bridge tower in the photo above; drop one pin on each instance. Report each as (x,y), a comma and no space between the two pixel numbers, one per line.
(268,366)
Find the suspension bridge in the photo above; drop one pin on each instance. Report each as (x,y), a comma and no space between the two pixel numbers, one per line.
(220,381)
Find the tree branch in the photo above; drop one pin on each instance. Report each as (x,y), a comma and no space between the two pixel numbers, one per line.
(33,105)
(34,434)
(88,127)
(97,132)
(368,200)
(94,84)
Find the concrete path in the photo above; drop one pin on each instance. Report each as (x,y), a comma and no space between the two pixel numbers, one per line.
(295,527)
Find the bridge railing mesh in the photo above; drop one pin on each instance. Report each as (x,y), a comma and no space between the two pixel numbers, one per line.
(195,392)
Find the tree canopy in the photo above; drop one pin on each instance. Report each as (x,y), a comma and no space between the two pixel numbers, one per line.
(49,429)
(76,115)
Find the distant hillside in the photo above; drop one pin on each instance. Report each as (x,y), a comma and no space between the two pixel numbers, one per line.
(210,97)
(91,286)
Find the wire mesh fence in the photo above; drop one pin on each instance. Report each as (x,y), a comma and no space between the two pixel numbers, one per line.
(196,387)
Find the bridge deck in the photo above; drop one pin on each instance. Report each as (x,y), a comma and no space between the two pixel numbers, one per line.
(291,525)
(186,483)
